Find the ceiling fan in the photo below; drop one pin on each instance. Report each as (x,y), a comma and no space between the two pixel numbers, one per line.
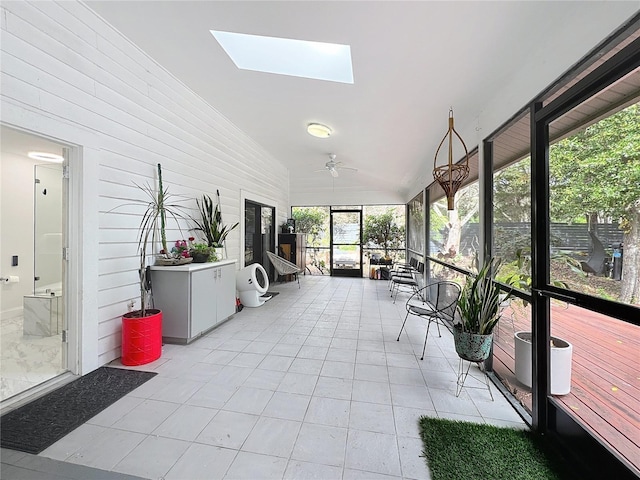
(332,166)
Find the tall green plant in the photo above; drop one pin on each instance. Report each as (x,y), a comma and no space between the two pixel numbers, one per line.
(158,206)
(480,300)
(210,222)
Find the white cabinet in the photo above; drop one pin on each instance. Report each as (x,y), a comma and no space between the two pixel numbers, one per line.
(193,298)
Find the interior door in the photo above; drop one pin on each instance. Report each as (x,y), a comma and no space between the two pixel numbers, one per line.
(259,235)
(346,247)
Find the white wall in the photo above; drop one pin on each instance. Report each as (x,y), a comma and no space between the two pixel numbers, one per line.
(70,76)
(16,192)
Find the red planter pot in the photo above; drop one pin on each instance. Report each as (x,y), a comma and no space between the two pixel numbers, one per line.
(141,337)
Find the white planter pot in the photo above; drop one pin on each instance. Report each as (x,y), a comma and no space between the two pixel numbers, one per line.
(561,357)
(219,251)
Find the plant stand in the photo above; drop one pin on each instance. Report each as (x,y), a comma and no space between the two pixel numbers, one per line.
(472,348)
(463,374)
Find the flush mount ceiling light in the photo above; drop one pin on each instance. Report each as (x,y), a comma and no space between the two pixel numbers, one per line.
(319,130)
(46,157)
(286,56)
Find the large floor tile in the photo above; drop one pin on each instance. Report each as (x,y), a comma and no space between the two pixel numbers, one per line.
(153,457)
(253,466)
(372,392)
(272,436)
(289,406)
(372,417)
(228,429)
(202,462)
(321,444)
(297,470)
(328,411)
(186,423)
(107,450)
(146,417)
(248,400)
(373,452)
(331,387)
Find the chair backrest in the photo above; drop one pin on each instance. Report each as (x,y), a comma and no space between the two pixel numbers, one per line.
(444,297)
(282,266)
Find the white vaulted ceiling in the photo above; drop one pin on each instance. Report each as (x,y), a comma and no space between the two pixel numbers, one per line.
(412,61)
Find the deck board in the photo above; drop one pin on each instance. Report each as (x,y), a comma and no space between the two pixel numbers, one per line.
(605,386)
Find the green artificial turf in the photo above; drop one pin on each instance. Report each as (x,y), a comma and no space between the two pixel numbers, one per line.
(461,450)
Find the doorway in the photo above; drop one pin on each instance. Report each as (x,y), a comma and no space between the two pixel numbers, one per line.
(346,243)
(259,235)
(33,220)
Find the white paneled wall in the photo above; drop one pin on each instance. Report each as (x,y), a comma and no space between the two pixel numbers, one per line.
(68,75)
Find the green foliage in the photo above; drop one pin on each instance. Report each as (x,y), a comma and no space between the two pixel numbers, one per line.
(480,300)
(518,272)
(199,248)
(596,172)
(312,221)
(210,222)
(512,193)
(381,230)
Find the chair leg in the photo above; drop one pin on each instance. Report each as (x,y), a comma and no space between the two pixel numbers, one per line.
(402,328)
(438,325)
(424,347)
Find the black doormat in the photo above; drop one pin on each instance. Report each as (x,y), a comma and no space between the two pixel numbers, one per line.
(39,424)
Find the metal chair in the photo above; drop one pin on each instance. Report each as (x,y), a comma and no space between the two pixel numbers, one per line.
(437,302)
(412,282)
(405,270)
(284,267)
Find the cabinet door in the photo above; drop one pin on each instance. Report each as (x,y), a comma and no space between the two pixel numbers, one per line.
(226,291)
(203,301)
(171,295)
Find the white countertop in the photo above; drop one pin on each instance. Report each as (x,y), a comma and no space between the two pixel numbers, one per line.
(192,267)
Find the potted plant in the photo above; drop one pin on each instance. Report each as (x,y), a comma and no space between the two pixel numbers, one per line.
(560,367)
(142,329)
(210,223)
(201,252)
(561,351)
(479,309)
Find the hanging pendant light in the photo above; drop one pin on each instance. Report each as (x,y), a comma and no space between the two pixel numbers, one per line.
(451,176)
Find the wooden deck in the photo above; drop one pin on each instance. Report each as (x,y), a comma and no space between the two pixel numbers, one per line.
(605,383)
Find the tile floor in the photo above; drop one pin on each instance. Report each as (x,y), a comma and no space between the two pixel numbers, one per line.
(312,385)
(26,360)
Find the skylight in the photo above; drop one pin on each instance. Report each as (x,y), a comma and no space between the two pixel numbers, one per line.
(297,58)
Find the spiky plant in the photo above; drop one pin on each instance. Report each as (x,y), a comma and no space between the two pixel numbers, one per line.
(159,205)
(480,300)
(210,221)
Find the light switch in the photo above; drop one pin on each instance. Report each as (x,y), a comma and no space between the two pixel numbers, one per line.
(14,261)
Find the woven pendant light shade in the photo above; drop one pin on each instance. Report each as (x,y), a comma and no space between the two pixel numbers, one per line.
(451,176)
